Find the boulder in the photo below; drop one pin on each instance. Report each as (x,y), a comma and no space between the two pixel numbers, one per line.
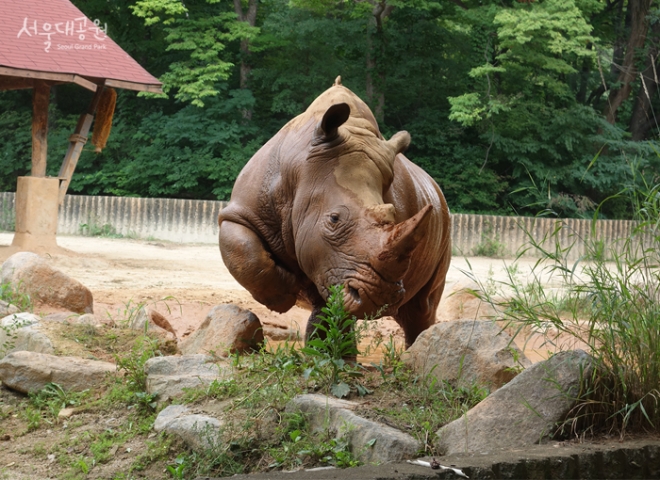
(525,411)
(7,309)
(20,332)
(467,352)
(226,329)
(29,372)
(31,274)
(63,317)
(369,441)
(200,432)
(167,377)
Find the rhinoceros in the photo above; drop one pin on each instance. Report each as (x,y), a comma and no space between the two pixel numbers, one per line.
(328,201)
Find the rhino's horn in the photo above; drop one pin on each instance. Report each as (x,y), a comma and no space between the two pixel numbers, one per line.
(393,261)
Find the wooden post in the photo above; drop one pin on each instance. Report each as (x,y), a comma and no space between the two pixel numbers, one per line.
(40,102)
(77,141)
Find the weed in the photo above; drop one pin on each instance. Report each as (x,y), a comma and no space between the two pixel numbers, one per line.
(489,245)
(610,308)
(179,468)
(52,398)
(9,333)
(333,347)
(94,228)
(13,295)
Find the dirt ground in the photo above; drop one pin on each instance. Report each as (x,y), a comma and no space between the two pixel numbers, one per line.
(184,281)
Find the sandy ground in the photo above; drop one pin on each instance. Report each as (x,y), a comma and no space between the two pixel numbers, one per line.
(184,281)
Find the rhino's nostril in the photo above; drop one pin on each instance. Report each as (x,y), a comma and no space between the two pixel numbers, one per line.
(355,294)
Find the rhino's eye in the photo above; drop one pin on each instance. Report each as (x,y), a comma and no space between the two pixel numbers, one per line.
(334,217)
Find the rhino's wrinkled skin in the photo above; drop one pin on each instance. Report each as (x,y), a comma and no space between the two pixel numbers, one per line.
(328,201)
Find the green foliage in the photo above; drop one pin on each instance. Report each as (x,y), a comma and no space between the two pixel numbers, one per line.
(198,39)
(333,347)
(496,95)
(489,245)
(609,305)
(14,295)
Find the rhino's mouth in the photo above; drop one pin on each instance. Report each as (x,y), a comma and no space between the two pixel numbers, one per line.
(367,295)
(373,300)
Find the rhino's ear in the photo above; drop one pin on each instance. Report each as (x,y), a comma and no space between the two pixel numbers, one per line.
(400,141)
(333,118)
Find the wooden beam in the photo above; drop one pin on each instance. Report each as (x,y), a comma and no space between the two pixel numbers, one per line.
(15,83)
(85,81)
(40,102)
(76,143)
(142,87)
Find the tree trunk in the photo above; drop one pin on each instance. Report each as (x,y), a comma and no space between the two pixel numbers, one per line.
(643,117)
(250,17)
(375,53)
(639,25)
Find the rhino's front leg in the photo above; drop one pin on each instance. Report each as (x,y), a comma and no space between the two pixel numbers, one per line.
(252,265)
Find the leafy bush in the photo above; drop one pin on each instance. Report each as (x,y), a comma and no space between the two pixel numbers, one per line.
(333,347)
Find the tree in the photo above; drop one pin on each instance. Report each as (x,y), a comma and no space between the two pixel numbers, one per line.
(636,28)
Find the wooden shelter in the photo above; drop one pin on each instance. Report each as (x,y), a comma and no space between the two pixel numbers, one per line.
(45,43)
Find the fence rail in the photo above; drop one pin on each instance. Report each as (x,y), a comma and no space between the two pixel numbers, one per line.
(195,221)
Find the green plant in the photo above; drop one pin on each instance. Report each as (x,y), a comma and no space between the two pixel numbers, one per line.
(609,308)
(52,398)
(13,295)
(133,362)
(333,347)
(179,468)
(489,245)
(9,333)
(94,228)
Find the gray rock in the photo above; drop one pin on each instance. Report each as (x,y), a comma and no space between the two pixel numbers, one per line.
(523,412)
(87,319)
(226,329)
(31,274)
(7,308)
(20,332)
(63,317)
(369,441)
(168,376)
(29,371)
(467,351)
(200,432)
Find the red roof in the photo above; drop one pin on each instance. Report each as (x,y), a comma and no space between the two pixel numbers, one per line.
(57,40)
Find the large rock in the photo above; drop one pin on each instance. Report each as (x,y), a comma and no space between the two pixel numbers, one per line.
(369,441)
(7,308)
(200,432)
(226,329)
(168,376)
(31,274)
(29,371)
(467,352)
(523,412)
(21,331)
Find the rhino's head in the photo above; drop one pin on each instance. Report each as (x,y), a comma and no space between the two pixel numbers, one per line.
(344,232)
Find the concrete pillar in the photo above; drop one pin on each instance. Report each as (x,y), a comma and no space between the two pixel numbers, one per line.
(36,214)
